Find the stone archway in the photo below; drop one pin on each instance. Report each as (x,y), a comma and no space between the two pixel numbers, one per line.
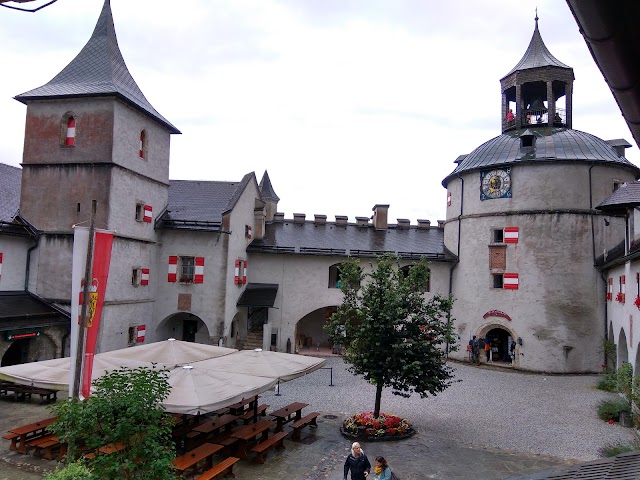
(184,326)
(502,344)
(623,351)
(310,334)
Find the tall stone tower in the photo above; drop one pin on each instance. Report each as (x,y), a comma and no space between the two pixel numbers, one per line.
(521,218)
(92,135)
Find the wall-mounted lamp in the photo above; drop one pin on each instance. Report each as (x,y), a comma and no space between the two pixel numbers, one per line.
(606,222)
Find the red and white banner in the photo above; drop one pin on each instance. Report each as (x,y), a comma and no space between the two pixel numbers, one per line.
(148,213)
(141,332)
(103,242)
(510,281)
(144,278)
(511,234)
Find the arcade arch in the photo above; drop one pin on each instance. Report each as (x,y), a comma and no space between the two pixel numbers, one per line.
(309,331)
(623,351)
(184,326)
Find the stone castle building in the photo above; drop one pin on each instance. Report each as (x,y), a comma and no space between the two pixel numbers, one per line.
(215,262)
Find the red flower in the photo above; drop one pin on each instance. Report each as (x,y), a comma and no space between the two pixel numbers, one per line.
(611,422)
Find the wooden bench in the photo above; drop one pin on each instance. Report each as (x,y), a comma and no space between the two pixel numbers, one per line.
(220,470)
(297,426)
(45,449)
(14,440)
(248,416)
(276,440)
(22,392)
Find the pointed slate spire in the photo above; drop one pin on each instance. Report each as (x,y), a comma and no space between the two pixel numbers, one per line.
(266,189)
(537,55)
(98,70)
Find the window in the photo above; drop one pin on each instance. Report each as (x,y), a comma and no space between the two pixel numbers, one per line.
(334,276)
(187,269)
(498,281)
(497,235)
(139,212)
(405,273)
(136,275)
(68,130)
(616,184)
(142,147)
(527,140)
(133,335)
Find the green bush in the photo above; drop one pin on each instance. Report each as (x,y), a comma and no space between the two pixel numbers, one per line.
(617,449)
(73,471)
(608,383)
(610,409)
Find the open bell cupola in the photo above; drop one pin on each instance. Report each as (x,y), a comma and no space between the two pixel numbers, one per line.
(538,91)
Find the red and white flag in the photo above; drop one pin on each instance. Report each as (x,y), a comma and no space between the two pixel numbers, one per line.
(103,242)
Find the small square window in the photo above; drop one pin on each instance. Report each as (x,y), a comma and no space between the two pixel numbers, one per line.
(139,212)
(498,281)
(136,275)
(498,235)
(187,269)
(133,335)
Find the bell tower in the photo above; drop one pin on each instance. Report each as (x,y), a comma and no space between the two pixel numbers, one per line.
(538,91)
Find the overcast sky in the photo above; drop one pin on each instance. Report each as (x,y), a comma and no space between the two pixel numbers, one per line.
(347,103)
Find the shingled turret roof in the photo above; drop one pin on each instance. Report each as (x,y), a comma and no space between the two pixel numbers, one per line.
(266,189)
(98,70)
(537,55)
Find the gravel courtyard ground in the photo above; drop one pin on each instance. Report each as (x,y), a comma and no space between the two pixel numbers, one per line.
(493,424)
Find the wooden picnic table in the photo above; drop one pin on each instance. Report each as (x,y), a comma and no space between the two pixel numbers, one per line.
(286,414)
(215,426)
(247,434)
(27,432)
(191,459)
(238,408)
(107,449)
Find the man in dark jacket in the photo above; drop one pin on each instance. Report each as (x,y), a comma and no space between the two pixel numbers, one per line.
(357,462)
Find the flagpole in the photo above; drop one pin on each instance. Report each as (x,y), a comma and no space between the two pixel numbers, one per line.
(83,312)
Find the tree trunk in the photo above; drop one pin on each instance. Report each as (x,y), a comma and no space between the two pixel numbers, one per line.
(376,410)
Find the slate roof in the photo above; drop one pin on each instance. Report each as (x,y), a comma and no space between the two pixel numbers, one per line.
(537,55)
(627,195)
(10,183)
(343,240)
(98,70)
(551,145)
(25,310)
(266,189)
(200,204)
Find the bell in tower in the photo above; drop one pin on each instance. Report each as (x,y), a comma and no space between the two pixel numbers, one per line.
(538,91)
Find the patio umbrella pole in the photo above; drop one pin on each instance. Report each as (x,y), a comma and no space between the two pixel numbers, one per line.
(278,389)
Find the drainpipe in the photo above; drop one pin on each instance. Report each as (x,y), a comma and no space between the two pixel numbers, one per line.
(26,274)
(593,249)
(455,264)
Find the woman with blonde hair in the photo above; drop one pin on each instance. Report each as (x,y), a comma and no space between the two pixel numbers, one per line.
(357,462)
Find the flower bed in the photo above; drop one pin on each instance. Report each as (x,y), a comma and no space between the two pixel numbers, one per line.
(364,426)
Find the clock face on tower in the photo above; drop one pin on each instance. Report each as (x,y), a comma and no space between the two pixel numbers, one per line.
(495,184)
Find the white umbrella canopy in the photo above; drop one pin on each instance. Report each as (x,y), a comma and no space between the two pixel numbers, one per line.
(263,363)
(196,389)
(169,353)
(54,374)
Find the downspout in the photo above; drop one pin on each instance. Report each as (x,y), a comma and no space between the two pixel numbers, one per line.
(26,274)
(593,250)
(457,260)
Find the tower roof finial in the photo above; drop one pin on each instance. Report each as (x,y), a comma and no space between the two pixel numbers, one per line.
(536,17)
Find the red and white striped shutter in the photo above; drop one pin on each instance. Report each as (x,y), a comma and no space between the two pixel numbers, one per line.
(199,271)
(510,281)
(173,269)
(448,199)
(0,265)
(610,289)
(141,333)
(248,231)
(141,152)
(144,279)
(70,140)
(236,278)
(511,234)
(623,287)
(244,272)
(148,213)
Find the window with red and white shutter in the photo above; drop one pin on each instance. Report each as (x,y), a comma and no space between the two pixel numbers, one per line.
(144,278)
(510,281)
(198,276)
(511,234)
(173,269)
(148,213)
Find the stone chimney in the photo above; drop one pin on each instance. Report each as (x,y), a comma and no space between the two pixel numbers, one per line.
(320,219)
(299,217)
(441,224)
(341,219)
(259,217)
(362,221)
(380,216)
(404,223)
(278,217)
(424,223)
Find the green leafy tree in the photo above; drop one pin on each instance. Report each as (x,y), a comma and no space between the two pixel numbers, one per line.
(73,471)
(393,336)
(124,409)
